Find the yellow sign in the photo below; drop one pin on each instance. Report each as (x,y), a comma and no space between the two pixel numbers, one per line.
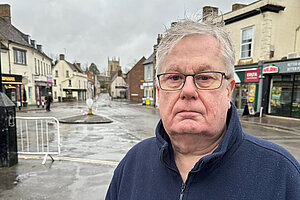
(251,99)
(142,81)
(4,78)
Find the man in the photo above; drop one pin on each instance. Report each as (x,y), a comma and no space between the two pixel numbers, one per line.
(48,100)
(200,150)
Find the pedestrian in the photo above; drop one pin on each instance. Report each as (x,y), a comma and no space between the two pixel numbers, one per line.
(200,150)
(48,100)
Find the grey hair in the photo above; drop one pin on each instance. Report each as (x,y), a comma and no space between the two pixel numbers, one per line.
(186,27)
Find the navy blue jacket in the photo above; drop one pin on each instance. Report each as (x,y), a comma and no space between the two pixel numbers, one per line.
(242,167)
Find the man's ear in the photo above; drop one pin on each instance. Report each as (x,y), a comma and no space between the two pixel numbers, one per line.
(230,88)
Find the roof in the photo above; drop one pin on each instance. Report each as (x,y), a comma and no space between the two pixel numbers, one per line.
(149,60)
(11,33)
(74,67)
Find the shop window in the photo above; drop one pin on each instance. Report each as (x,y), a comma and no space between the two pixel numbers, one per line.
(246,42)
(19,56)
(296,98)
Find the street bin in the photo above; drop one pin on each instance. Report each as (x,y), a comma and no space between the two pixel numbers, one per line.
(8,132)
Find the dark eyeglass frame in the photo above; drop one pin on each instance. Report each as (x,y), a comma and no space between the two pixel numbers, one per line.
(193,75)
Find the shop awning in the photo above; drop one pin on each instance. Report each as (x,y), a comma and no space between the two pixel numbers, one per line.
(236,78)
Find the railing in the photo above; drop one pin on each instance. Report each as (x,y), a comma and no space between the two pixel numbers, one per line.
(38,136)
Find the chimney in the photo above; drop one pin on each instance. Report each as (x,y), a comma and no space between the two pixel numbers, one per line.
(209,13)
(237,6)
(77,64)
(32,42)
(159,36)
(5,12)
(27,38)
(120,73)
(39,47)
(61,56)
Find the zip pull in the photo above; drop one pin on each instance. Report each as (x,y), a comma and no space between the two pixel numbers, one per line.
(182,191)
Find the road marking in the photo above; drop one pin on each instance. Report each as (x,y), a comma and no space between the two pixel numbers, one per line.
(72,159)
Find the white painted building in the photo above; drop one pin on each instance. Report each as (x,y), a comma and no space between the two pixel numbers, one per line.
(118,86)
(69,81)
(24,64)
(148,80)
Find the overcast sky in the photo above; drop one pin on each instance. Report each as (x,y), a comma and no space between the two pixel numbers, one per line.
(93,30)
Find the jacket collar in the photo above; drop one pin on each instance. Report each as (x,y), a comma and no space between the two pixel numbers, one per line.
(227,146)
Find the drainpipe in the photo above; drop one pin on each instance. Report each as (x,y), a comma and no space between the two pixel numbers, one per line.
(9,58)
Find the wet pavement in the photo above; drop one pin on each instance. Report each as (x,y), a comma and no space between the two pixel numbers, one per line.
(90,152)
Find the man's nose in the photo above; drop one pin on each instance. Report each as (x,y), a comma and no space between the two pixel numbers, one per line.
(189,90)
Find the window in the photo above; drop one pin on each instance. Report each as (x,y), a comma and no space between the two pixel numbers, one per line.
(35,66)
(67,73)
(19,56)
(55,95)
(56,73)
(45,69)
(79,84)
(246,42)
(42,72)
(70,83)
(39,70)
(54,82)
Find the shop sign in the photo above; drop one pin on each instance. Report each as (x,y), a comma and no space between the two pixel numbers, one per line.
(49,78)
(270,69)
(36,78)
(252,76)
(11,78)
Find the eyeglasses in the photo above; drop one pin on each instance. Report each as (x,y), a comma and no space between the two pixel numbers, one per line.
(209,80)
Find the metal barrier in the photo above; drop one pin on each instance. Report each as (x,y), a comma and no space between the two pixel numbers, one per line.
(38,136)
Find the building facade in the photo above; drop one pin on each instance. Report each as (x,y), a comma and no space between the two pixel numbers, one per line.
(265,33)
(148,84)
(118,86)
(25,67)
(135,80)
(69,81)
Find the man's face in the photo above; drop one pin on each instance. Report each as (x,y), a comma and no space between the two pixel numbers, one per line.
(190,110)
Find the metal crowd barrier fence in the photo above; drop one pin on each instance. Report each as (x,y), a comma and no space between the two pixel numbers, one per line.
(38,136)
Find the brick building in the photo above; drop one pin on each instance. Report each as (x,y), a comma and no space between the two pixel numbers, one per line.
(134,80)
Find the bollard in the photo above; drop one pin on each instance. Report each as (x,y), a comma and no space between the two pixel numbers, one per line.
(8,132)
(261,110)
(89,103)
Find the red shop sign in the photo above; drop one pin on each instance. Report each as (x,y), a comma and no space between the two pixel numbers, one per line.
(270,69)
(252,76)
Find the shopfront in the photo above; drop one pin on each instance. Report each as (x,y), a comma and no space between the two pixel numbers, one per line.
(283,81)
(246,91)
(12,87)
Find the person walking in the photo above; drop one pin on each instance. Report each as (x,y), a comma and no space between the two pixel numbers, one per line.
(48,100)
